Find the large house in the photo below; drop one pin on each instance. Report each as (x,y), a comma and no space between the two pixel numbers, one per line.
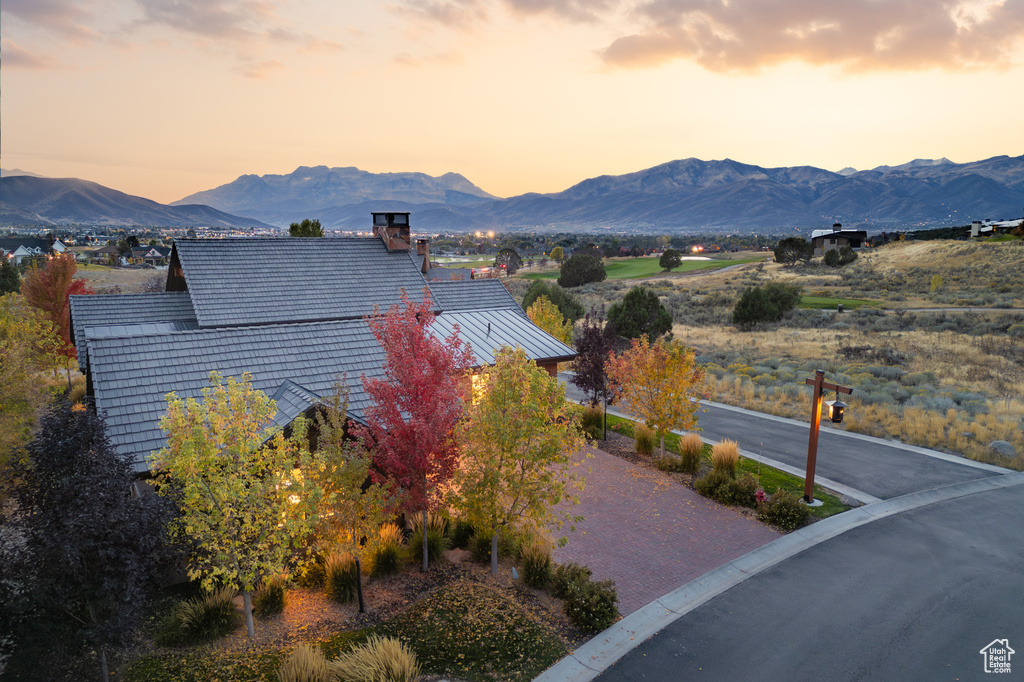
(837,238)
(16,249)
(291,311)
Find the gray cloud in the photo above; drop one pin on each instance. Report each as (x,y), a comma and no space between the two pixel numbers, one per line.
(573,10)
(858,35)
(461,14)
(65,17)
(14,56)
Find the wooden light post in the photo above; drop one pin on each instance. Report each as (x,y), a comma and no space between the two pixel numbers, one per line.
(812,444)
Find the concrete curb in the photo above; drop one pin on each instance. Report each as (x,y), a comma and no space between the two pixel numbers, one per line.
(598,654)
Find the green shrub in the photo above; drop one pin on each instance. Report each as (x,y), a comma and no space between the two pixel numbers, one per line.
(306,664)
(581,269)
(593,421)
(459,533)
(380,659)
(202,619)
(509,544)
(691,447)
(831,258)
(721,487)
(591,605)
(568,574)
(269,599)
(783,509)
(725,456)
(536,560)
(754,308)
(437,539)
(644,436)
(341,577)
(847,255)
(386,557)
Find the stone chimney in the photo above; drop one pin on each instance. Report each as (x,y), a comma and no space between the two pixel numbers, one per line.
(975,228)
(393,230)
(836,227)
(423,250)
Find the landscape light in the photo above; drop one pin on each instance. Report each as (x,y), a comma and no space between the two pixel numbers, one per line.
(835,409)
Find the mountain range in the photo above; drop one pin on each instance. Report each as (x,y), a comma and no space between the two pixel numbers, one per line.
(684,195)
(32,200)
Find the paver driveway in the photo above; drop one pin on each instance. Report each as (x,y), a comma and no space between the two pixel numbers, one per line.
(652,535)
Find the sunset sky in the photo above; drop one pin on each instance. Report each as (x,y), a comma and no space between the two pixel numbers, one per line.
(163,98)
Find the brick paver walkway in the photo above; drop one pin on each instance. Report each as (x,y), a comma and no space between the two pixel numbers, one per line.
(651,535)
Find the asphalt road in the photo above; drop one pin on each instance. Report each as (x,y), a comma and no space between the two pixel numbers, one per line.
(880,468)
(914,596)
(877,467)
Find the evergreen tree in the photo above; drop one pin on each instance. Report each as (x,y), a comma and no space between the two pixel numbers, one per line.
(581,269)
(670,259)
(754,308)
(509,259)
(569,305)
(10,280)
(307,228)
(793,249)
(640,313)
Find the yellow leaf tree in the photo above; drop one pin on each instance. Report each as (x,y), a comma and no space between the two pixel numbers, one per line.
(518,444)
(548,317)
(658,384)
(234,476)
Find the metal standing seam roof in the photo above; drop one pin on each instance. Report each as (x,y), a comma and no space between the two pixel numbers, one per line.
(247,281)
(472,294)
(125,309)
(295,363)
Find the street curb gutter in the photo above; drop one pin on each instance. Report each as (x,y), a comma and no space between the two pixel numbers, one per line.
(599,653)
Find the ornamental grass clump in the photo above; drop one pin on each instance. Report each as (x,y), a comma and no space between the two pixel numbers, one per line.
(341,577)
(380,659)
(386,557)
(437,538)
(306,664)
(593,422)
(536,560)
(202,619)
(691,447)
(725,456)
(645,437)
(269,599)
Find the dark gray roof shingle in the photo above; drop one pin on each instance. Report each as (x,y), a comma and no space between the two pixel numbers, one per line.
(125,309)
(295,363)
(474,294)
(247,281)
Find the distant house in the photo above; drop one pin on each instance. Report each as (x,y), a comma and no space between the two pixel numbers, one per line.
(836,238)
(17,249)
(290,311)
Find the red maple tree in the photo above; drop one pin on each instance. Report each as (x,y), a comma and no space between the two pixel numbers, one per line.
(417,405)
(49,289)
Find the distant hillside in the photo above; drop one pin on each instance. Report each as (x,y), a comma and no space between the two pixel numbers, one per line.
(684,195)
(320,191)
(4,173)
(27,200)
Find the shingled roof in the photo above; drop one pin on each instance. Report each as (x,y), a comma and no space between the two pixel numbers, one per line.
(246,281)
(294,363)
(475,294)
(289,311)
(126,309)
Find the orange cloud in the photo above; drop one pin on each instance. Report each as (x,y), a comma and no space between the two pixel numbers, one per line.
(858,35)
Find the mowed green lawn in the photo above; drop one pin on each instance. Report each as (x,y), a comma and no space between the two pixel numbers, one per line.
(638,268)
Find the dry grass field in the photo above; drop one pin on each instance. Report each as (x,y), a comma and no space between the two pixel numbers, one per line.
(107,280)
(950,380)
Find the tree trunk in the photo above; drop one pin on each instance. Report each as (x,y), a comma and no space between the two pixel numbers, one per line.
(104,671)
(663,446)
(426,553)
(250,627)
(494,553)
